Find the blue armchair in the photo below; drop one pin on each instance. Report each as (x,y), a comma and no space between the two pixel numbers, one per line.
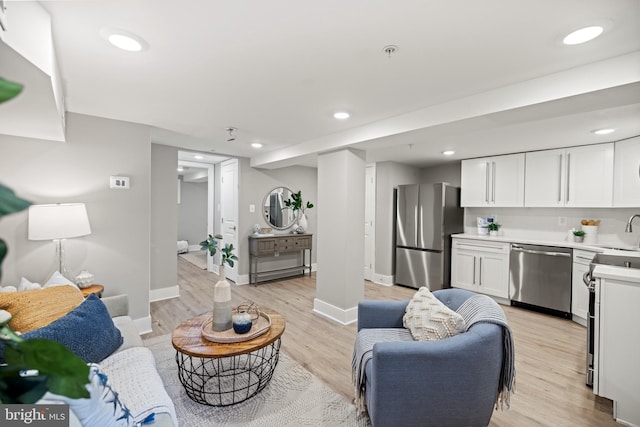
(450,382)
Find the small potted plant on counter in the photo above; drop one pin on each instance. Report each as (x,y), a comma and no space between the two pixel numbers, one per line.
(493,228)
(578,236)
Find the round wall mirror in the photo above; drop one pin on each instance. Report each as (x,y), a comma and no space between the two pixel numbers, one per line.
(273,209)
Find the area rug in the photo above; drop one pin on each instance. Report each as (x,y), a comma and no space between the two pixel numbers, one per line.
(294,397)
(197,258)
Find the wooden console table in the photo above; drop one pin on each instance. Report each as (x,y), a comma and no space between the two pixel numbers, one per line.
(273,246)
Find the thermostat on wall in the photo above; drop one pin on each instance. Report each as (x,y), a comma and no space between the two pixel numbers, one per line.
(121,182)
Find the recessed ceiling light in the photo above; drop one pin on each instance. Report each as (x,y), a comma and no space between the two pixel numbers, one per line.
(583,35)
(198,157)
(341,115)
(606,131)
(448,152)
(256,145)
(124,40)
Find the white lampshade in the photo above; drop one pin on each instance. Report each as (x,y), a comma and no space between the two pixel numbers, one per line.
(59,221)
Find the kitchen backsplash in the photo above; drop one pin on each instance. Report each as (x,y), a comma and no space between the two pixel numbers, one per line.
(544,223)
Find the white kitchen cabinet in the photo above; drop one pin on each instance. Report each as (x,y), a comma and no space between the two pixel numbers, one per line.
(626,178)
(481,267)
(571,177)
(545,178)
(579,291)
(617,376)
(493,181)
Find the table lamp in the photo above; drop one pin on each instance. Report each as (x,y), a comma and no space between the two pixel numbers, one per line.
(58,222)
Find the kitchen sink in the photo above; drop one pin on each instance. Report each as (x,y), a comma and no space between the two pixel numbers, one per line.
(625,261)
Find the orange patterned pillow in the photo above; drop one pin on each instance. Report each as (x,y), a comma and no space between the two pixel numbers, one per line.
(39,307)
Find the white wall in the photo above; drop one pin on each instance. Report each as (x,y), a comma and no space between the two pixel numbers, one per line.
(449,173)
(117,251)
(254,186)
(164,221)
(192,212)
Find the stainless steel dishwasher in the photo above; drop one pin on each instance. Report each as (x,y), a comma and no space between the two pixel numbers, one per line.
(540,278)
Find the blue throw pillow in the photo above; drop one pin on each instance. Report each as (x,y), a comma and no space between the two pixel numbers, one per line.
(87,330)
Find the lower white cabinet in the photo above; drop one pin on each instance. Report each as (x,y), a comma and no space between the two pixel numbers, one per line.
(617,345)
(579,291)
(480,266)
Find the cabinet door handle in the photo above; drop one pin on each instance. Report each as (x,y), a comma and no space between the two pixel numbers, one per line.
(474,270)
(560,179)
(480,273)
(486,182)
(638,170)
(493,182)
(568,177)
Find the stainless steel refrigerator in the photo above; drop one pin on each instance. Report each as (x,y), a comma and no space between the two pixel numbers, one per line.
(426,216)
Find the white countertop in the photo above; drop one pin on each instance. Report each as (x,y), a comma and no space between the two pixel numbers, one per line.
(531,240)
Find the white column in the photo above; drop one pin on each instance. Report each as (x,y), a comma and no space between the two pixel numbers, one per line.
(340,235)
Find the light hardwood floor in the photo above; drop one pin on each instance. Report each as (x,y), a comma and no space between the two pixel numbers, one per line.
(550,352)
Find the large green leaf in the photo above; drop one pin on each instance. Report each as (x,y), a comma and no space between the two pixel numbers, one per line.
(8,90)
(66,373)
(10,203)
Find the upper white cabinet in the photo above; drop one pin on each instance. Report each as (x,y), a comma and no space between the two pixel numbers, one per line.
(493,181)
(571,177)
(626,179)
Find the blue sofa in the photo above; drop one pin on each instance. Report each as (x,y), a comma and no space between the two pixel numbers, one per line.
(450,382)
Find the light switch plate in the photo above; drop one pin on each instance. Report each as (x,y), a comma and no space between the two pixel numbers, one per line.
(252,208)
(119,182)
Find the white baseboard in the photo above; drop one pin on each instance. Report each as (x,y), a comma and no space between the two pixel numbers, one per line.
(342,316)
(164,293)
(143,325)
(380,279)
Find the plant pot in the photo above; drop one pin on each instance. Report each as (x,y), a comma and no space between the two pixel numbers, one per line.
(221,304)
(493,233)
(578,239)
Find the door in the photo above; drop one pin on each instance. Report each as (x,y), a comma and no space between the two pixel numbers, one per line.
(493,276)
(626,184)
(407,216)
(475,182)
(545,178)
(507,180)
(590,174)
(369,220)
(463,269)
(430,217)
(229,212)
(415,268)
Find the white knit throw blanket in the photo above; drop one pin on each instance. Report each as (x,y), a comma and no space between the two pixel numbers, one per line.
(363,352)
(481,308)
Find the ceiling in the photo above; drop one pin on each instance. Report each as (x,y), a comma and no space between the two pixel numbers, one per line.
(480,77)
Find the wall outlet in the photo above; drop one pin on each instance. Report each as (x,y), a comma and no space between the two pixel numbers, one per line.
(119,182)
(562,220)
(252,208)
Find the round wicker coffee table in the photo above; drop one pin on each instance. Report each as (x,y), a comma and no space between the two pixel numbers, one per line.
(223,374)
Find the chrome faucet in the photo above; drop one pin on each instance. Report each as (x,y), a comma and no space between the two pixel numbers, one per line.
(629,229)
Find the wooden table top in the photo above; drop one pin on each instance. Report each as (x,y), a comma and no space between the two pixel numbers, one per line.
(187,338)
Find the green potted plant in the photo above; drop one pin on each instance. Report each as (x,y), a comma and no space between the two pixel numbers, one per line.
(221,318)
(211,245)
(493,228)
(578,236)
(296,204)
